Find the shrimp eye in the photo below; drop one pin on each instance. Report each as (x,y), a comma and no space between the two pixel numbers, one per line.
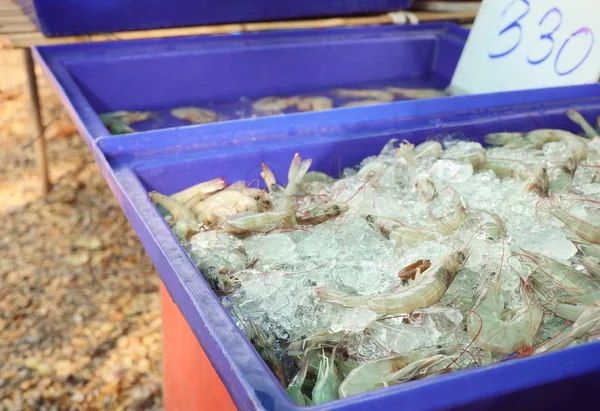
(257,197)
(336,207)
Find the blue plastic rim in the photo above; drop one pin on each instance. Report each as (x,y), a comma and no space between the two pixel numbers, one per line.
(168,160)
(76,17)
(165,73)
(549,381)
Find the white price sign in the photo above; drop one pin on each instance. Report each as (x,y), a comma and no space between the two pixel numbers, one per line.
(526,44)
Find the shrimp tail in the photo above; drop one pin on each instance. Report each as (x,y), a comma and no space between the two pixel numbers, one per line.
(199,190)
(336,297)
(177,210)
(268,176)
(297,171)
(576,117)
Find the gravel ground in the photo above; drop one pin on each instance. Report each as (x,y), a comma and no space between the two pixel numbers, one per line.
(80,324)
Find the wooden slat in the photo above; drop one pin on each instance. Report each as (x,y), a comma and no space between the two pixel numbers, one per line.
(29,38)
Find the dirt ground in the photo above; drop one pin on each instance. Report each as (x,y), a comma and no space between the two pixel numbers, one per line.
(80,324)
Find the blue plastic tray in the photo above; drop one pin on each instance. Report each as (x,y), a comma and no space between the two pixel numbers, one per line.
(159,74)
(171,159)
(553,381)
(72,17)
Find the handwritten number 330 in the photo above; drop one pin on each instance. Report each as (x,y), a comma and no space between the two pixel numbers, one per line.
(546,38)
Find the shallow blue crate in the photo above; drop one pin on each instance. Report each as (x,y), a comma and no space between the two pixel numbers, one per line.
(76,17)
(552,381)
(171,159)
(163,73)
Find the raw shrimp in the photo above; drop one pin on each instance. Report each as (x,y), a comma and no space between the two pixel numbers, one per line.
(417,93)
(426,189)
(587,323)
(448,223)
(361,103)
(297,171)
(493,330)
(253,222)
(561,176)
(472,153)
(190,194)
(425,291)
(380,96)
(492,225)
(592,266)
(194,115)
(388,371)
(328,380)
(576,144)
(506,168)
(428,149)
(582,228)
(177,210)
(223,204)
(273,103)
(318,103)
(411,271)
(399,234)
(294,390)
(321,213)
(576,117)
(503,139)
(264,346)
(315,342)
(538,182)
(268,176)
(125,117)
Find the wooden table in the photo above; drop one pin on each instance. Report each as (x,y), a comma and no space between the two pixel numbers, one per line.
(17,32)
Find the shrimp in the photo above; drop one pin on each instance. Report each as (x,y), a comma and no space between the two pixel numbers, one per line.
(538,182)
(379,96)
(406,151)
(426,189)
(506,168)
(252,222)
(576,117)
(428,149)
(294,389)
(576,144)
(413,270)
(177,210)
(393,370)
(503,139)
(399,234)
(297,171)
(264,346)
(322,213)
(469,152)
(315,342)
(223,204)
(447,224)
(273,103)
(425,291)
(125,117)
(268,176)
(190,194)
(328,380)
(361,103)
(561,176)
(587,323)
(589,250)
(581,228)
(493,330)
(318,103)
(417,93)
(592,266)
(194,115)
(492,225)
